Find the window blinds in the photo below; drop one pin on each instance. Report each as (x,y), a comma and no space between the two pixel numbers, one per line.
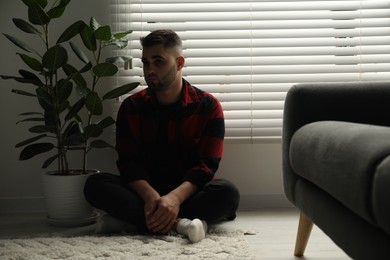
(249,53)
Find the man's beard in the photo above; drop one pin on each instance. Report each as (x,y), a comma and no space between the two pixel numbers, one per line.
(157,86)
(165,82)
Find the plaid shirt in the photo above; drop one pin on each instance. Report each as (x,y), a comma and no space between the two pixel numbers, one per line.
(167,145)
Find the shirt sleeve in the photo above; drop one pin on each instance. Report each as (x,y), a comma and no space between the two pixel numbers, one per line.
(210,145)
(128,143)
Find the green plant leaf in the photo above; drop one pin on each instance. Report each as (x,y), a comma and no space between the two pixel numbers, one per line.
(64,91)
(54,58)
(86,67)
(32,119)
(82,91)
(25,26)
(44,99)
(74,75)
(71,31)
(73,127)
(31,62)
(88,38)
(22,92)
(105,69)
(41,129)
(30,113)
(37,16)
(19,79)
(19,43)
(75,109)
(29,76)
(34,149)
(59,9)
(73,134)
(103,33)
(106,122)
(50,161)
(30,140)
(74,140)
(79,53)
(101,144)
(51,119)
(94,24)
(119,91)
(78,118)
(94,104)
(56,12)
(93,130)
(63,106)
(120,35)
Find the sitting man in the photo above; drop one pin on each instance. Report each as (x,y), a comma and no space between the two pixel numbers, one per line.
(169,140)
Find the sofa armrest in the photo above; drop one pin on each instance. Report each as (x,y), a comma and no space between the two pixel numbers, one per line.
(342,158)
(359,102)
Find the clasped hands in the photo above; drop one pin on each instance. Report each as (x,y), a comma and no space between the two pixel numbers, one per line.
(161,213)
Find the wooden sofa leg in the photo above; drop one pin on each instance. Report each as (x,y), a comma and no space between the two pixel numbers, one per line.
(304,229)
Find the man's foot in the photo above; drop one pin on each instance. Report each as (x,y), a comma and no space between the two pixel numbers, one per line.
(108,224)
(195,229)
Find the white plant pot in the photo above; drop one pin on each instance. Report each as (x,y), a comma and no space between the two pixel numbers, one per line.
(65,201)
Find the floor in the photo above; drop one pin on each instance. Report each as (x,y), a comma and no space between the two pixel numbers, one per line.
(271,233)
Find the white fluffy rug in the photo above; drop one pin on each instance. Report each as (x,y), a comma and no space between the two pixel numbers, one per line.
(216,245)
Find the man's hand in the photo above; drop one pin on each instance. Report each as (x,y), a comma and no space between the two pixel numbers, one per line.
(166,208)
(161,214)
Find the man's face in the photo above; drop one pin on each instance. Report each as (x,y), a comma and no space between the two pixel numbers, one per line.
(160,67)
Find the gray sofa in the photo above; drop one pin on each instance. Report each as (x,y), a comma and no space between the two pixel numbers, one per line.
(336,164)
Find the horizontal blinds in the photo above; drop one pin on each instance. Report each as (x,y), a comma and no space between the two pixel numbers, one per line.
(249,53)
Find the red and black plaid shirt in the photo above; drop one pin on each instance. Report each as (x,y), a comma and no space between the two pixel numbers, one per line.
(166,145)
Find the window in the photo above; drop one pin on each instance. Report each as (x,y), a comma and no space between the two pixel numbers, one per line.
(249,53)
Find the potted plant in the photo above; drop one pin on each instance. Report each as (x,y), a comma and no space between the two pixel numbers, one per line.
(68,120)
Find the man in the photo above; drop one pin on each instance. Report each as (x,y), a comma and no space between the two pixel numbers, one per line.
(169,143)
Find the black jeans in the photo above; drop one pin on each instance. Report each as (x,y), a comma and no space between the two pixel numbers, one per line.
(218,200)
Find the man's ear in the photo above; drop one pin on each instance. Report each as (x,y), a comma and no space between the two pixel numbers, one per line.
(180,62)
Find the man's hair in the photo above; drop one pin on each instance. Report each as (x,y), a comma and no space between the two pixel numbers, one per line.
(167,38)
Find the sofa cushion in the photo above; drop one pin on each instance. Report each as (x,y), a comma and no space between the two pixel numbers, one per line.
(381,196)
(341,158)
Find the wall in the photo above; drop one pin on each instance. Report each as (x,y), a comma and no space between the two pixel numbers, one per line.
(255,168)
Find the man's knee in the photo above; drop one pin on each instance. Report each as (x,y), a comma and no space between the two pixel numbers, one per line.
(225,186)
(227,191)
(95,182)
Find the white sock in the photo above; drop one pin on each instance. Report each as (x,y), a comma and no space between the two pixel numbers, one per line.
(195,229)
